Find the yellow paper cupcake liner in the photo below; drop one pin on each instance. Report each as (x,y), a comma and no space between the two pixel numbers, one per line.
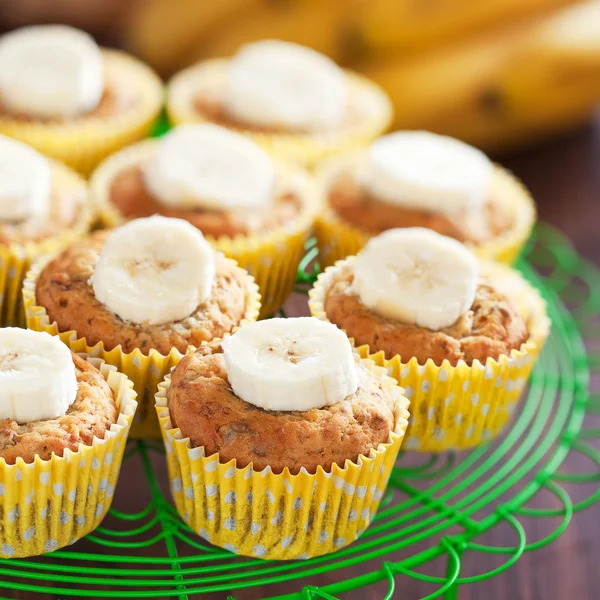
(48,504)
(338,239)
(16,259)
(146,371)
(372,114)
(271,258)
(462,406)
(278,516)
(82,143)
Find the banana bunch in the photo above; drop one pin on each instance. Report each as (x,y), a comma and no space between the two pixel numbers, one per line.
(496,74)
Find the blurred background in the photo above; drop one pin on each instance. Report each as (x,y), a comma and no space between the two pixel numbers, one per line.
(501,74)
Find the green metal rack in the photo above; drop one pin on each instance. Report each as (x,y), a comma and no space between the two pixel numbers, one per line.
(439,510)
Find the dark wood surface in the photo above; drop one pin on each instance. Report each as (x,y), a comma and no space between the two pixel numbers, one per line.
(564,177)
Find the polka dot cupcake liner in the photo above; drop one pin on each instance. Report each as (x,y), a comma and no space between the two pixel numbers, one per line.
(146,371)
(371,108)
(16,259)
(271,258)
(48,504)
(278,516)
(458,407)
(338,239)
(83,143)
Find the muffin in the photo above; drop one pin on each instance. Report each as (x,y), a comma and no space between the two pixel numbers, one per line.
(64,420)
(254,210)
(43,205)
(293,101)
(70,99)
(459,335)
(419,179)
(280,446)
(139,297)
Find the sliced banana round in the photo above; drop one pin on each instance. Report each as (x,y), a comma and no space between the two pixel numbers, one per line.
(37,376)
(430,172)
(204,165)
(25,182)
(50,71)
(416,276)
(281,84)
(290,364)
(154,270)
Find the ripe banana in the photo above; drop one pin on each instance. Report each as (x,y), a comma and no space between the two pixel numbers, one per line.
(290,364)
(50,71)
(503,88)
(193,167)
(430,172)
(277,83)
(25,181)
(416,276)
(37,376)
(154,270)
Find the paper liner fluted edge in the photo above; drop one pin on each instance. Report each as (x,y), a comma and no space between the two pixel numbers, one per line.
(338,239)
(304,148)
(146,371)
(278,516)
(48,504)
(458,407)
(84,142)
(271,258)
(16,258)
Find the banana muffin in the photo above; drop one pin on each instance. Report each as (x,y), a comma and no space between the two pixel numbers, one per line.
(206,409)
(420,179)
(490,328)
(292,100)
(65,291)
(69,98)
(414,293)
(92,413)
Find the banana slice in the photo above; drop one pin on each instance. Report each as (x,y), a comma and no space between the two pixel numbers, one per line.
(50,71)
(275,83)
(416,276)
(25,182)
(430,172)
(154,270)
(208,166)
(290,364)
(37,376)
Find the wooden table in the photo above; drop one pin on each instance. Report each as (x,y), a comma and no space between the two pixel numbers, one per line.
(564,177)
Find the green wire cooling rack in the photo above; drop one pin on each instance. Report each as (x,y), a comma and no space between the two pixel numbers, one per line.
(438,520)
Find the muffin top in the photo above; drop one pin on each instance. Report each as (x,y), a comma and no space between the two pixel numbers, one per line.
(54,74)
(153,283)
(187,174)
(62,400)
(414,293)
(277,87)
(233,403)
(418,179)
(39,198)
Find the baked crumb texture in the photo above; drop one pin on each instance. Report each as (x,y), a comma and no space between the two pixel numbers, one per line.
(63,289)
(91,415)
(354,205)
(491,328)
(202,404)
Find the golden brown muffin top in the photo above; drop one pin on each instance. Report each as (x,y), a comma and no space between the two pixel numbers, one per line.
(355,205)
(491,328)
(202,404)
(130,196)
(91,415)
(63,289)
